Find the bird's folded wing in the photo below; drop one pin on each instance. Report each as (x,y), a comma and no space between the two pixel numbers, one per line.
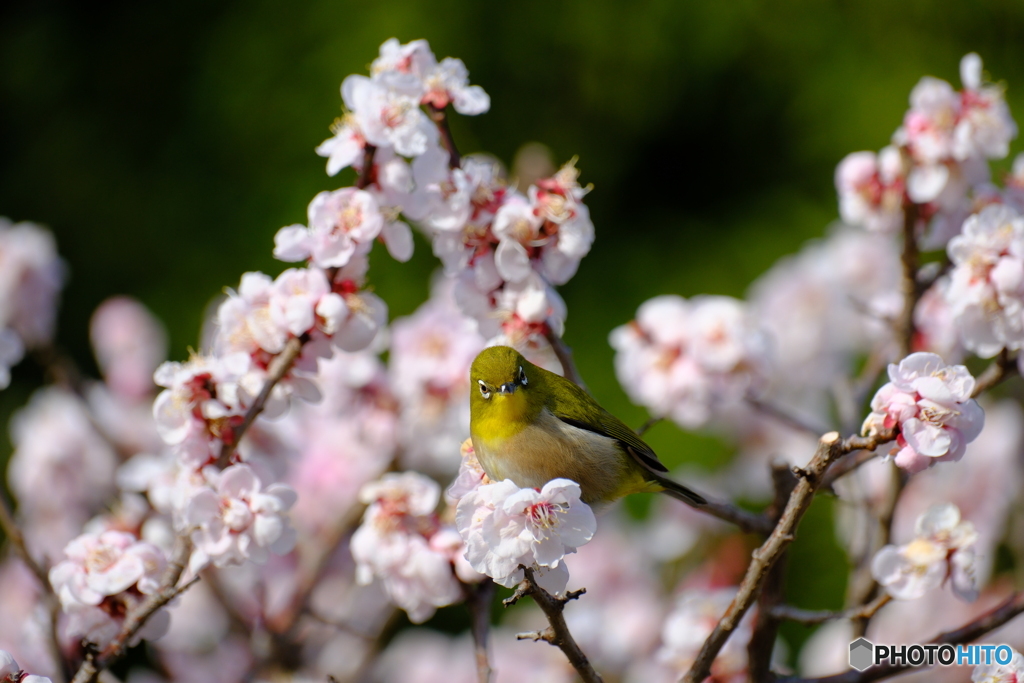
(616,429)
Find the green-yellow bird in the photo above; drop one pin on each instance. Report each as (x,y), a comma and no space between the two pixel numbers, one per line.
(531,426)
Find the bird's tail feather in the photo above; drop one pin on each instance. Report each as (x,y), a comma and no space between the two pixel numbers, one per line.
(680,492)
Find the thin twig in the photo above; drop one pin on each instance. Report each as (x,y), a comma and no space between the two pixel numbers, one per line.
(17,540)
(909,258)
(440,117)
(781,416)
(279,367)
(812,617)
(564,355)
(830,447)
(651,421)
(971,631)
(846,464)
(558,632)
(478,600)
(751,522)
(366,175)
(1001,368)
(138,615)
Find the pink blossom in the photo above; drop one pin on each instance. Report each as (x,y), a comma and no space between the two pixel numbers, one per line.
(471,475)
(505,527)
(10,672)
(397,543)
(871,189)
(11,353)
(986,286)
(237,519)
(341,223)
(1012,672)
(61,469)
(942,550)
(695,615)
(413,66)
(244,319)
(202,404)
(129,343)
(31,275)
(431,352)
(388,114)
(690,359)
(103,565)
(930,403)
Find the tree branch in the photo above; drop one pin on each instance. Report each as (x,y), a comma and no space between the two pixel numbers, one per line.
(138,615)
(478,600)
(564,355)
(971,631)
(751,522)
(440,118)
(830,447)
(17,540)
(279,367)
(558,632)
(911,290)
(812,617)
(1001,368)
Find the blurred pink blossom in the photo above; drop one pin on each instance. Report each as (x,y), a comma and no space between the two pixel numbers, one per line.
(31,275)
(129,343)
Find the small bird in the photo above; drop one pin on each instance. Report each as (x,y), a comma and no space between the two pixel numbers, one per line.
(531,426)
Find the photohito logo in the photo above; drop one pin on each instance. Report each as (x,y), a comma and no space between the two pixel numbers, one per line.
(865,654)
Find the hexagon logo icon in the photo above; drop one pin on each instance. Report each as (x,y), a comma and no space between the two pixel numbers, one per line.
(862,654)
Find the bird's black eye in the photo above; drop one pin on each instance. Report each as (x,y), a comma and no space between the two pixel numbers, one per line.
(522,377)
(484,391)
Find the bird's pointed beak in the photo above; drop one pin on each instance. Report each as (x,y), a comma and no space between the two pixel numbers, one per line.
(508,388)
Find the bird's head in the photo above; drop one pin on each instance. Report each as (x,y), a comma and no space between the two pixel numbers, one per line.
(504,385)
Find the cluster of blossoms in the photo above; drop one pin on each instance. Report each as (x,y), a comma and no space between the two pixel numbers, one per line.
(10,672)
(695,615)
(690,359)
(506,528)
(943,550)
(403,542)
(929,404)
(937,160)
(103,576)
(31,275)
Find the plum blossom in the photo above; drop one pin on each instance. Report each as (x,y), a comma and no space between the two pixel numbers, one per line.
(414,65)
(689,359)
(986,285)
(505,527)
(943,549)
(871,189)
(61,470)
(430,355)
(696,613)
(1012,672)
(10,672)
(202,404)
(11,352)
(31,275)
(236,519)
(129,343)
(341,224)
(401,541)
(930,405)
(103,576)
(471,475)
(944,129)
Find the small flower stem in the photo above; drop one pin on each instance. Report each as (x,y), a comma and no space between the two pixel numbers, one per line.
(279,367)
(440,119)
(812,617)
(971,631)
(557,633)
(366,174)
(781,416)
(565,358)
(1000,369)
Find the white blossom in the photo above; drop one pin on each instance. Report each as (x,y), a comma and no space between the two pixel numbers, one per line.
(930,404)
(505,527)
(943,549)
(1012,672)
(31,275)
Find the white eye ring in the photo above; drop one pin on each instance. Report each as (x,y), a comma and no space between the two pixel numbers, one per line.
(484,391)
(522,377)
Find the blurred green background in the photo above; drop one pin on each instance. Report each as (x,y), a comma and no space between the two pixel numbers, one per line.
(165,144)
